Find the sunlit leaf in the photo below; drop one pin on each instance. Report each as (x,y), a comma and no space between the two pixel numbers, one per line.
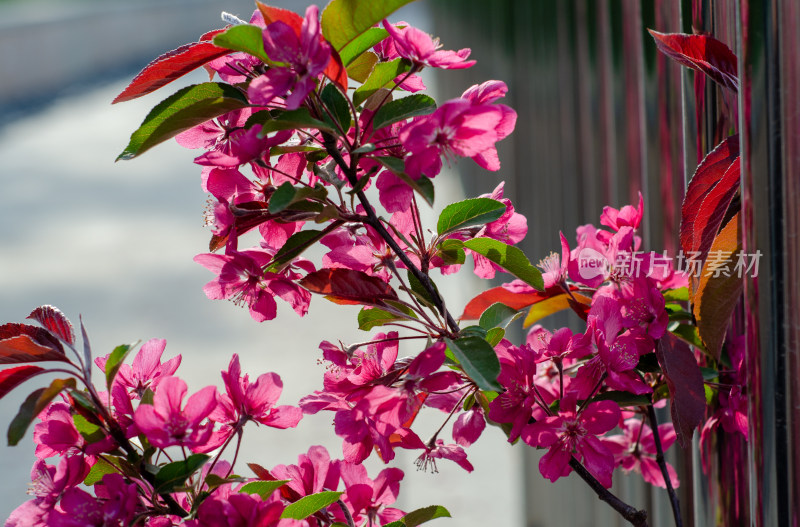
(362,43)
(26,343)
(498,315)
(348,285)
(345,20)
(171,66)
(10,378)
(243,37)
(703,53)
(425,514)
(263,488)
(383,75)
(308,505)
(185,109)
(54,321)
(469,213)
(716,296)
(509,258)
(402,109)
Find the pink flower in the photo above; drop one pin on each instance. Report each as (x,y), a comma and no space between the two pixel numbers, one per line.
(242,279)
(305,57)
(488,93)
(441,451)
(469,426)
(456,128)
(48,484)
(627,216)
(422,50)
(245,401)
(226,508)
(313,473)
(368,499)
(554,268)
(165,423)
(571,433)
(146,369)
(636,450)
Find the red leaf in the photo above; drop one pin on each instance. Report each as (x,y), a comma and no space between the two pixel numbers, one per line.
(172,65)
(708,174)
(717,296)
(336,71)
(702,53)
(685,383)
(348,286)
(13,377)
(517,301)
(54,320)
(24,343)
(277,14)
(712,210)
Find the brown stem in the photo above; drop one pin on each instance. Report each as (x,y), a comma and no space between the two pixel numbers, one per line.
(662,464)
(375,223)
(635,517)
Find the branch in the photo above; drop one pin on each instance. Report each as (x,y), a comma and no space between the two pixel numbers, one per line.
(346,512)
(662,464)
(375,223)
(635,517)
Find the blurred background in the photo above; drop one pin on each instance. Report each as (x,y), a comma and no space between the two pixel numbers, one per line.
(602,117)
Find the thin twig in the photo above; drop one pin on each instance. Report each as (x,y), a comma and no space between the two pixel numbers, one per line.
(662,464)
(346,512)
(634,516)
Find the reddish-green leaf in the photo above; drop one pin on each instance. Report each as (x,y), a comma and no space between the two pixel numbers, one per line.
(702,53)
(514,300)
(26,343)
(55,321)
(276,14)
(33,406)
(336,71)
(184,109)
(714,207)
(716,296)
(708,174)
(685,384)
(344,20)
(171,66)
(12,377)
(348,287)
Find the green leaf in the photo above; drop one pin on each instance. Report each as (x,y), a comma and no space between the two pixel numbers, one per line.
(417,287)
(243,37)
(498,315)
(98,470)
(345,20)
(397,523)
(281,198)
(291,120)
(182,110)
(509,258)
(402,109)
(689,334)
(648,363)
(305,507)
(383,75)
(709,374)
(495,335)
(677,295)
(175,474)
(452,252)
(369,318)
(263,488)
(361,67)
(426,514)
(624,398)
(294,246)
(90,431)
(469,213)
(115,360)
(478,359)
(362,43)
(337,105)
(33,406)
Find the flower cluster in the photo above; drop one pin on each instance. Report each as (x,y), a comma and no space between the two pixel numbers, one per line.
(289,155)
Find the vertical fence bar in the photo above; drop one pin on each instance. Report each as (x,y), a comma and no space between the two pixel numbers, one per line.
(770,148)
